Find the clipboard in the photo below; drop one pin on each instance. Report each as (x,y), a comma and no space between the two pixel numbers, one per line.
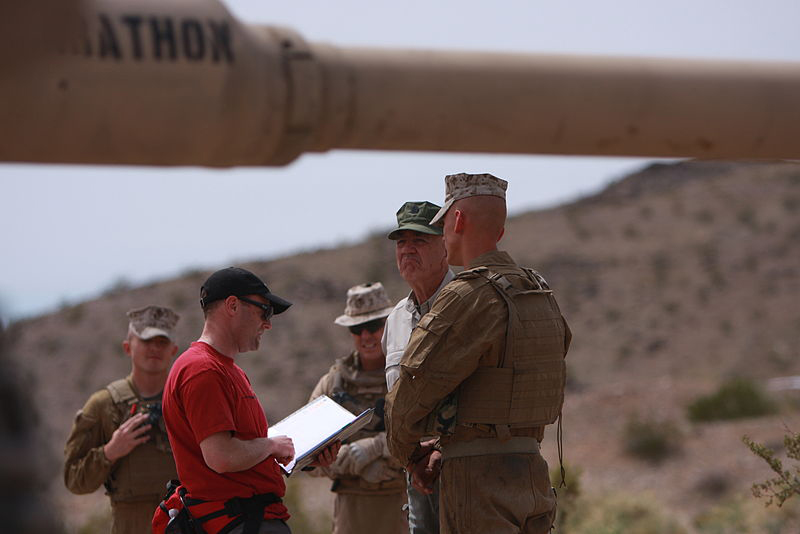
(315,426)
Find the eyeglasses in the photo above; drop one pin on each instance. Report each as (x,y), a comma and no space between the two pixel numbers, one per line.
(371,327)
(267,309)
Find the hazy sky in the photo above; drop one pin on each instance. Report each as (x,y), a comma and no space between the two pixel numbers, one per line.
(68,232)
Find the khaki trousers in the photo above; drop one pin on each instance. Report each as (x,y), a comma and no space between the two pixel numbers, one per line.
(498,493)
(370,514)
(133,517)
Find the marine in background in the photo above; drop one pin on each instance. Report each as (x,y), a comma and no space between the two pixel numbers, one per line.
(422,262)
(119,439)
(484,371)
(369,485)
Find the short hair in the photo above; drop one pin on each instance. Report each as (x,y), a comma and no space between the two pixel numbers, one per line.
(211,306)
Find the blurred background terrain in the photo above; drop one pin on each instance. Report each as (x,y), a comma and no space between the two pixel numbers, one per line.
(681,285)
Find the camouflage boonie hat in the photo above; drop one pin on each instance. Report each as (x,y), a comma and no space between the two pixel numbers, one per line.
(152,321)
(365,303)
(415,216)
(463,185)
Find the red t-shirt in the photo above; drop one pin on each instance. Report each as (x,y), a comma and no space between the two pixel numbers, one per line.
(206,393)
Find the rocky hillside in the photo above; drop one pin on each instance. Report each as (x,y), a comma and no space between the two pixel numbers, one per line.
(673,279)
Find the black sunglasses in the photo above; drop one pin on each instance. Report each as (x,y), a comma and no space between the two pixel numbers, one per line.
(372,327)
(266,308)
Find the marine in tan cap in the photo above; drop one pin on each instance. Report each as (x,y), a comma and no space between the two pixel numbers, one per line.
(119,439)
(484,370)
(370,486)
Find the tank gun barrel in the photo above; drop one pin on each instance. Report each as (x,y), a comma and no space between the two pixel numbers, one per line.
(185,83)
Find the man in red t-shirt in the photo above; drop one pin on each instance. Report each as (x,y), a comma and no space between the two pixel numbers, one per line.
(216,425)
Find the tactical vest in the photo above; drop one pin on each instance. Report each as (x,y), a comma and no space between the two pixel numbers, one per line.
(526,389)
(357,392)
(144,473)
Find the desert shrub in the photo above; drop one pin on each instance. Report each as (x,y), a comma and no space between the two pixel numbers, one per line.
(117,287)
(568,494)
(661,264)
(741,516)
(73,315)
(308,515)
(50,345)
(747,217)
(620,515)
(629,231)
(650,440)
(709,259)
(613,315)
(787,483)
(726,327)
(178,299)
(704,216)
(624,352)
(791,204)
(714,485)
(97,523)
(671,307)
(735,399)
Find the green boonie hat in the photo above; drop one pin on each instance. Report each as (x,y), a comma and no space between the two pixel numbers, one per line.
(416,216)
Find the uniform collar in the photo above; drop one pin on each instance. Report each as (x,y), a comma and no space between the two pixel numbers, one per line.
(425,307)
(493,257)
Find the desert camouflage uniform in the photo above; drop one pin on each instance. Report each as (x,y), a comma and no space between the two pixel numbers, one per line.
(135,483)
(464,332)
(369,484)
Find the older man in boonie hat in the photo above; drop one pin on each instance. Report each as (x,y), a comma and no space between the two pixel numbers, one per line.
(119,438)
(496,325)
(369,484)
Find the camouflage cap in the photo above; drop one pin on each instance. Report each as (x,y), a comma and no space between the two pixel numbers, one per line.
(415,216)
(365,303)
(463,185)
(152,321)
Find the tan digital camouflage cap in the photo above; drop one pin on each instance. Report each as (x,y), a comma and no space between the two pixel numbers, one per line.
(416,216)
(152,321)
(463,185)
(365,303)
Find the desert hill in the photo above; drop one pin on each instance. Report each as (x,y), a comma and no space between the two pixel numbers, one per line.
(673,279)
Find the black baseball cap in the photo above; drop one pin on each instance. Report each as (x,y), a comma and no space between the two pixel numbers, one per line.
(238,282)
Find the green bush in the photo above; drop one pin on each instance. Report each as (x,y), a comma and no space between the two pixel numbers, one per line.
(568,495)
(97,523)
(740,516)
(620,515)
(650,440)
(305,519)
(735,399)
(787,483)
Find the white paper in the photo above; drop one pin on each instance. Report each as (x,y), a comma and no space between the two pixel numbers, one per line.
(318,422)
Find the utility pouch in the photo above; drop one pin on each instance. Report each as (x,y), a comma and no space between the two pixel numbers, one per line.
(172,515)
